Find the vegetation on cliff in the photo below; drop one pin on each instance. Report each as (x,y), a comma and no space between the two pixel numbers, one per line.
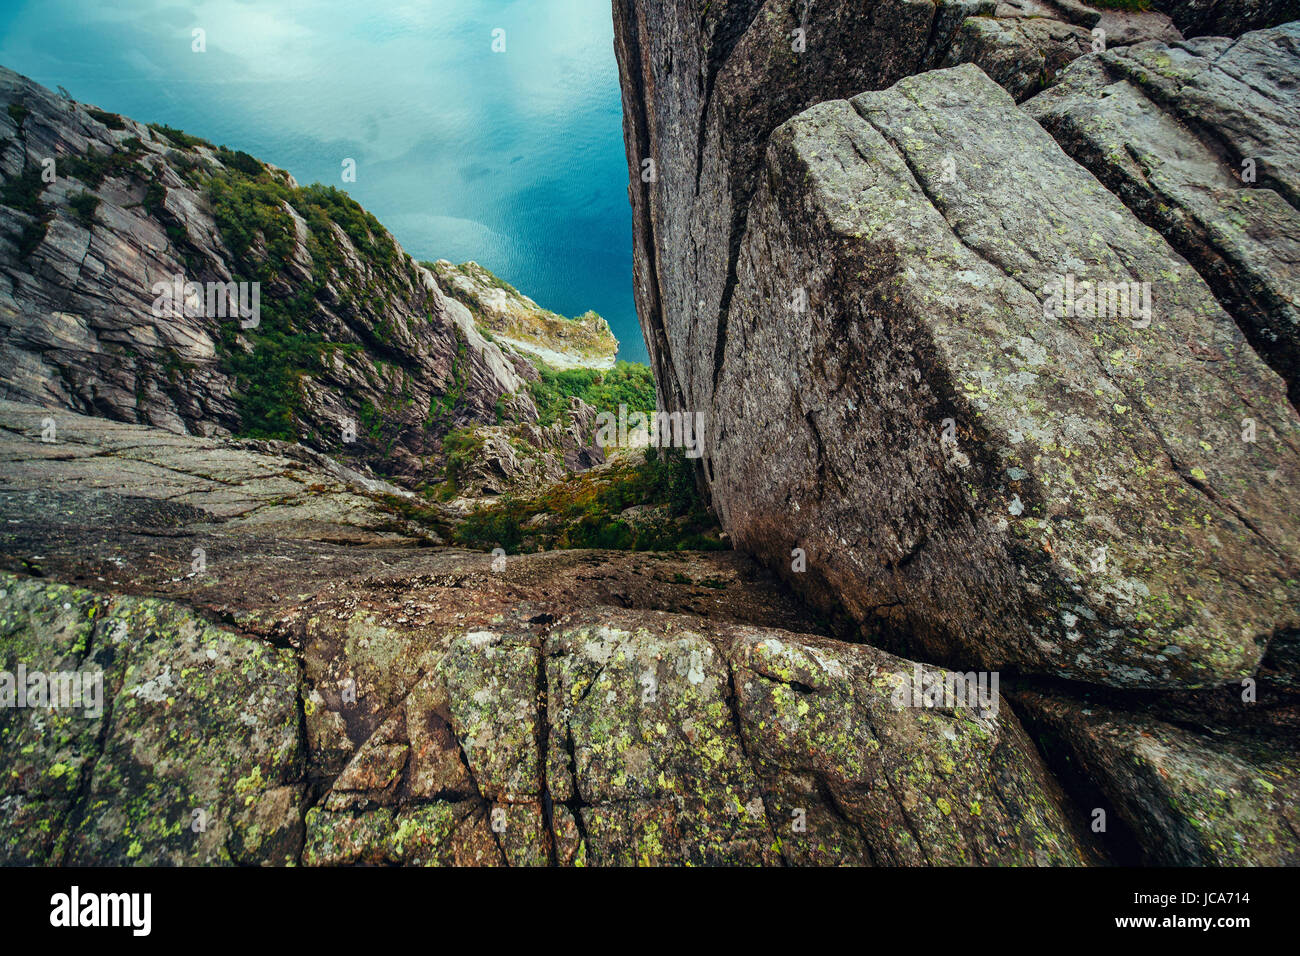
(652,504)
(251,207)
(627,383)
(506,315)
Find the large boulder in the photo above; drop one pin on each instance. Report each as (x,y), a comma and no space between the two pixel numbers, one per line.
(1068,493)
(180,745)
(706,81)
(625,738)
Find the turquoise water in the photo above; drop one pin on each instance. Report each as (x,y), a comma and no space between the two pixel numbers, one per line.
(514,159)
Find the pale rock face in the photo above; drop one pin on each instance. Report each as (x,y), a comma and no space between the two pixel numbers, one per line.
(520,324)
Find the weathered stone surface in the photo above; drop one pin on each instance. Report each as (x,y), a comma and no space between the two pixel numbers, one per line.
(187,479)
(1188,798)
(1231,18)
(823,725)
(1022,54)
(189,754)
(367,701)
(1200,141)
(1026,43)
(922,224)
(625,738)
(706,81)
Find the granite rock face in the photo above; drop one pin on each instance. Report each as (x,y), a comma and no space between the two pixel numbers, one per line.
(322,689)
(1200,140)
(356,350)
(1190,798)
(960,394)
(930,409)
(1231,18)
(1026,43)
(963,469)
(705,83)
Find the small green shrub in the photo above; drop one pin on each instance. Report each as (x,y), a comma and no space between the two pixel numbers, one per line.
(181,139)
(111,120)
(83,206)
(23,192)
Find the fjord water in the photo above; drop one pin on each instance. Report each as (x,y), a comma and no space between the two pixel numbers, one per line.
(514,159)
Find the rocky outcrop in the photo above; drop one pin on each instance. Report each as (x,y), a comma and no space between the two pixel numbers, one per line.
(985,420)
(960,468)
(1026,43)
(1188,798)
(299,696)
(1200,140)
(929,404)
(1231,18)
(523,457)
(704,85)
(517,322)
(355,349)
(619,739)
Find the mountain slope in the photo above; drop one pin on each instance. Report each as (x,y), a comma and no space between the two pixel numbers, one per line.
(102,214)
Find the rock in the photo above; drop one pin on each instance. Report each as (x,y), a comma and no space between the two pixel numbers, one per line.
(1026,43)
(630,738)
(102,465)
(706,81)
(188,752)
(922,225)
(1022,54)
(519,323)
(1207,159)
(1231,18)
(385,363)
(1188,798)
(333,698)
(522,457)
